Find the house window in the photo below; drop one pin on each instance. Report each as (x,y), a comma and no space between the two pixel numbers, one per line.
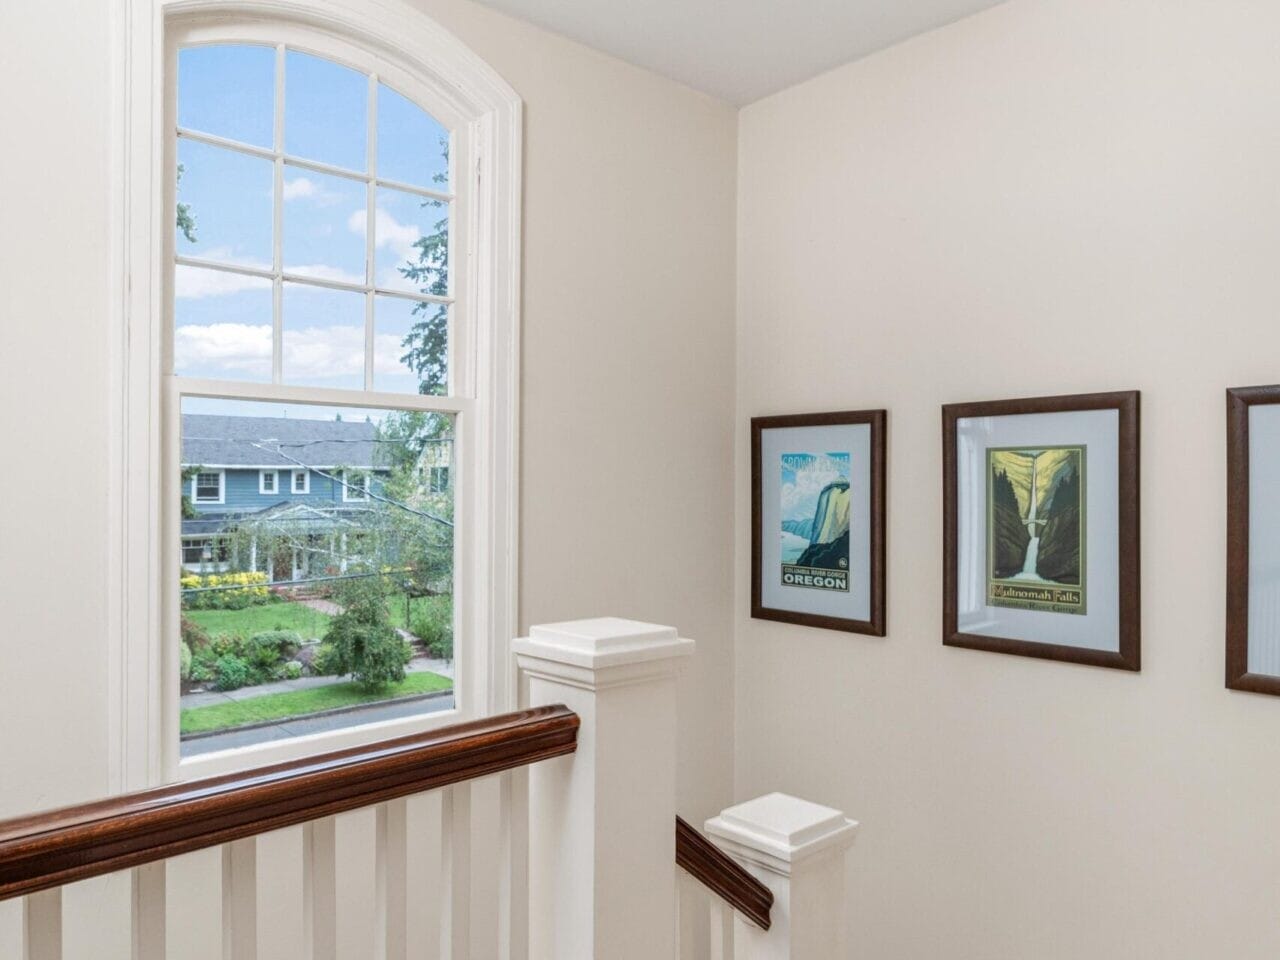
(355,486)
(301,481)
(267,480)
(202,551)
(207,486)
(438,479)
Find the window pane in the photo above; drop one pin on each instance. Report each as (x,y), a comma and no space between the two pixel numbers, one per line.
(411,236)
(326,109)
(262,654)
(222,325)
(224,205)
(411,346)
(324,226)
(412,147)
(228,90)
(323,337)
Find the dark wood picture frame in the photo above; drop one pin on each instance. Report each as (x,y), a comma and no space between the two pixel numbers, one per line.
(1126,404)
(1239,400)
(876,419)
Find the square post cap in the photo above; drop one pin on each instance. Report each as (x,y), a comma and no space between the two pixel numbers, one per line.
(779,831)
(603,642)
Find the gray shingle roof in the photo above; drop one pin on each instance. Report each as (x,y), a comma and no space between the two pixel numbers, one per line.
(210,440)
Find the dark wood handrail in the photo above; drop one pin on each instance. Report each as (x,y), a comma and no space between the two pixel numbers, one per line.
(718,872)
(75,843)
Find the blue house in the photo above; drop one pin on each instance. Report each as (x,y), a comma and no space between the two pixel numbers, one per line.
(315,479)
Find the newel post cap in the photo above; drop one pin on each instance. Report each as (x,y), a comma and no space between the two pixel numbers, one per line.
(779,831)
(603,644)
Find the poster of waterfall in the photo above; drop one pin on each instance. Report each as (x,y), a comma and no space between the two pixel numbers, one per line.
(814,500)
(1036,528)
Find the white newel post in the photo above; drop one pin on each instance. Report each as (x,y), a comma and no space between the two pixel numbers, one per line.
(602,873)
(798,850)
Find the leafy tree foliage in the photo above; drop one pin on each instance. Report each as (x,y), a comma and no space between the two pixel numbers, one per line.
(427,343)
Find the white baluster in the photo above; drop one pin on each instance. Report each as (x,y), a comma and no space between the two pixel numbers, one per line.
(513,892)
(424,878)
(721,929)
(602,872)
(147,911)
(392,881)
(240,900)
(97,918)
(798,850)
(193,915)
(319,890)
(42,925)
(11,912)
(280,865)
(455,868)
(355,845)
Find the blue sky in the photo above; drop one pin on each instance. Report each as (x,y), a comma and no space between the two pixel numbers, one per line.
(223,320)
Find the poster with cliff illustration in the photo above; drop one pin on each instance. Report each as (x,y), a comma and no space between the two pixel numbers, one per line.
(814,500)
(1036,528)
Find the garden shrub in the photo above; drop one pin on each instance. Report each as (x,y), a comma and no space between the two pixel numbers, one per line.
(184,660)
(292,670)
(201,669)
(363,643)
(194,635)
(433,625)
(326,663)
(271,648)
(232,672)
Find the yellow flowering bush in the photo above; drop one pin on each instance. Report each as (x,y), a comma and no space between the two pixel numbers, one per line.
(236,590)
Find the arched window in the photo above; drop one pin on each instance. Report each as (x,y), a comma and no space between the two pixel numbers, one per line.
(336,337)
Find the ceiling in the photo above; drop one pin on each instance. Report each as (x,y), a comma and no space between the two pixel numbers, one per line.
(739,50)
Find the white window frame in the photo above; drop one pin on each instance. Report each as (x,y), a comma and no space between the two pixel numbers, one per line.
(420,59)
(222,487)
(356,485)
(262,482)
(306,482)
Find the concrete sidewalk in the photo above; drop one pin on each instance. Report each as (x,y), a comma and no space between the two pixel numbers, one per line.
(302,727)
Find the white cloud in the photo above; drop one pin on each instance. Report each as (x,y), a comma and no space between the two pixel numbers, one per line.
(387,232)
(194,283)
(233,347)
(304,188)
(313,352)
(300,188)
(388,348)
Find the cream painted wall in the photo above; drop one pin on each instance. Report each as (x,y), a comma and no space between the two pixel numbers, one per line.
(1054,196)
(627,381)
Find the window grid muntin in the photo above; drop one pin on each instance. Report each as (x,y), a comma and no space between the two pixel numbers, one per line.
(370,289)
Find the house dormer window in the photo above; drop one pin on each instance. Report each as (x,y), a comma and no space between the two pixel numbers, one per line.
(207,486)
(268,481)
(355,486)
(301,482)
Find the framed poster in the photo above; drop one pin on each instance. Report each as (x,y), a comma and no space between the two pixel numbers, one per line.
(817,520)
(1253,539)
(1040,528)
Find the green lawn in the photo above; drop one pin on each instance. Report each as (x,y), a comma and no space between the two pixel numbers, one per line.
(418,607)
(269,616)
(277,706)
